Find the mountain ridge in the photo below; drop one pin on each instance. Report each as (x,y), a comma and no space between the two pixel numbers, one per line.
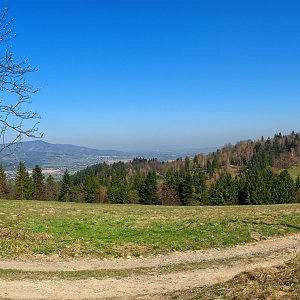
(61,156)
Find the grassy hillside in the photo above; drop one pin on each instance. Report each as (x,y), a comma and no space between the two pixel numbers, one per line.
(294,172)
(30,228)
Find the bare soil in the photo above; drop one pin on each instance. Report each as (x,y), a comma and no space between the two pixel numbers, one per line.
(262,254)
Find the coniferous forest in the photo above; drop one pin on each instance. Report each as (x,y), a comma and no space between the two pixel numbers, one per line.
(250,172)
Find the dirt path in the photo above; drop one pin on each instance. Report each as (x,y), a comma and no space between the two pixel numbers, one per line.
(267,254)
(269,245)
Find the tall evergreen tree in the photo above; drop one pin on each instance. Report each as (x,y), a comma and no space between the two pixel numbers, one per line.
(3,184)
(29,190)
(297,184)
(51,192)
(286,192)
(118,189)
(185,188)
(21,181)
(149,189)
(38,183)
(199,184)
(65,187)
(90,187)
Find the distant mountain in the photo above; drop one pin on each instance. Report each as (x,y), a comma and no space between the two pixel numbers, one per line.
(57,156)
(41,146)
(61,156)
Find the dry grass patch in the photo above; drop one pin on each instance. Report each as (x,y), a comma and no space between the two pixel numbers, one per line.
(277,283)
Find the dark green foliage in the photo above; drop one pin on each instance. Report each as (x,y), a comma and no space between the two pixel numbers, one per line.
(187,164)
(90,187)
(148,191)
(199,184)
(263,155)
(224,191)
(297,184)
(65,187)
(285,192)
(133,197)
(23,182)
(138,181)
(38,183)
(118,189)
(29,190)
(50,180)
(3,184)
(266,187)
(51,189)
(188,185)
(203,179)
(185,188)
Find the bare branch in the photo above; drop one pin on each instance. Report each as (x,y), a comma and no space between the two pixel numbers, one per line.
(15,94)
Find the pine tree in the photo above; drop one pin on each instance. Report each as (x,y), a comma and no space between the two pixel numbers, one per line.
(118,189)
(28,187)
(148,192)
(20,182)
(90,187)
(65,187)
(38,183)
(50,189)
(3,184)
(199,184)
(286,188)
(187,164)
(186,188)
(254,188)
(297,184)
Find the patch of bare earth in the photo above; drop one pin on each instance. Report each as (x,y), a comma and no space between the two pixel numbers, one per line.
(262,254)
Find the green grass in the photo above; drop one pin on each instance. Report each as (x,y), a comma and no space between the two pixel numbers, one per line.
(30,228)
(294,172)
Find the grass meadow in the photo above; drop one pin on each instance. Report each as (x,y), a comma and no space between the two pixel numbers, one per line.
(30,229)
(294,172)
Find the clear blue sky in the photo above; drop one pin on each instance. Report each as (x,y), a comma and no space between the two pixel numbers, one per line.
(149,75)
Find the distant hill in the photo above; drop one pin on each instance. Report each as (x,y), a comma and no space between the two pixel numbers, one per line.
(41,146)
(61,156)
(58,156)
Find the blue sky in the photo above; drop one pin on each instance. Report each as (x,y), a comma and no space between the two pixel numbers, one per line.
(158,75)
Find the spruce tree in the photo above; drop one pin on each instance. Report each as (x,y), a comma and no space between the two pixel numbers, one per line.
(65,187)
(20,182)
(199,184)
(297,184)
(287,188)
(3,184)
(28,187)
(38,183)
(148,192)
(50,191)
(186,188)
(90,187)
(118,189)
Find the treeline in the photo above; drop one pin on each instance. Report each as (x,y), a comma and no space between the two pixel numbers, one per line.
(247,173)
(28,187)
(241,174)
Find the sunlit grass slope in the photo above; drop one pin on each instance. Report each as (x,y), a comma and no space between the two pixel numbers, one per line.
(30,228)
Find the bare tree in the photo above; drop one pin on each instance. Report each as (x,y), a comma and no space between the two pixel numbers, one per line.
(16,120)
